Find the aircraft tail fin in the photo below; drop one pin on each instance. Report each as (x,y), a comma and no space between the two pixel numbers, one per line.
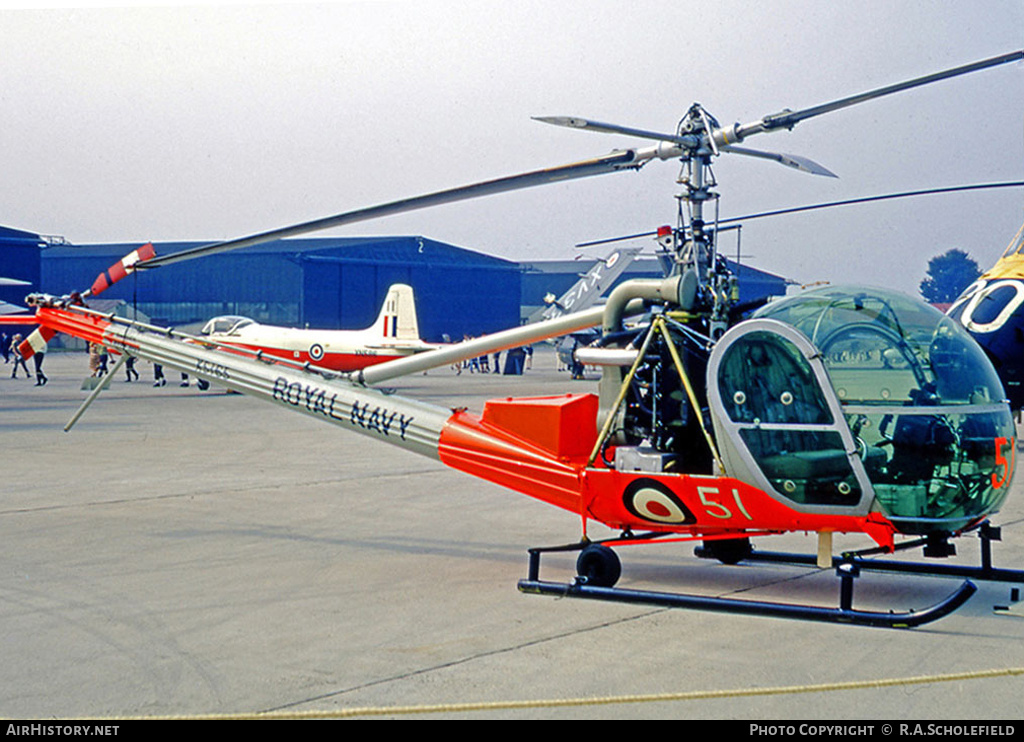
(589,288)
(397,318)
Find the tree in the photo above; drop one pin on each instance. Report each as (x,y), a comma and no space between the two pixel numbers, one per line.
(948,275)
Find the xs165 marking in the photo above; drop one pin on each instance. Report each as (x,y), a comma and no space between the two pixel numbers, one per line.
(212,369)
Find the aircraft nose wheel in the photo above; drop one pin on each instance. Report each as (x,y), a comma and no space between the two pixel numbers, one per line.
(598,566)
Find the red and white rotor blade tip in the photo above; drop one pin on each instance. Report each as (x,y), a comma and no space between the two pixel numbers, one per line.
(121,268)
(36,342)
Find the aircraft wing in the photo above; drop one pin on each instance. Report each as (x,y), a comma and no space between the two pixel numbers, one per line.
(414,346)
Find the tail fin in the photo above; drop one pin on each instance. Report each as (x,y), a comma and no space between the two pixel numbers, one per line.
(585,292)
(397,318)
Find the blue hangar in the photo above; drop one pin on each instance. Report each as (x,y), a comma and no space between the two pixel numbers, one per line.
(329,283)
(324,282)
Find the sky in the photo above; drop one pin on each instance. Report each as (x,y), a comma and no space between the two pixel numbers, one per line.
(220,120)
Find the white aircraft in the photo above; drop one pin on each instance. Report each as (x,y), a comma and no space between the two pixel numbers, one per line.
(395,334)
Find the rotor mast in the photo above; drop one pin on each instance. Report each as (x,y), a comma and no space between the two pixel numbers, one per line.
(694,242)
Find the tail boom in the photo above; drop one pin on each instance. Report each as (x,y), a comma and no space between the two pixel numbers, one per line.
(410,424)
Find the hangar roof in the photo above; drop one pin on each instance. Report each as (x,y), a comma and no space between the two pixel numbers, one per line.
(395,249)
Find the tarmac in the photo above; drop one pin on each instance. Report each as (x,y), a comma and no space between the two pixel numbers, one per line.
(195,554)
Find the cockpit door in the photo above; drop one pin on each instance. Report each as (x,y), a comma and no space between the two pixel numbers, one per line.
(779,422)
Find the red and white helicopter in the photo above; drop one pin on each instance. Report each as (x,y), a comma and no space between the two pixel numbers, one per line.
(395,334)
(840,410)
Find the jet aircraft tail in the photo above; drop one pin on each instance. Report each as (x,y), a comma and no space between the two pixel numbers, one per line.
(589,288)
(397,318)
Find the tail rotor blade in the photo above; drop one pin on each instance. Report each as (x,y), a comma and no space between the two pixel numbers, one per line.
(121,268)
(36,342)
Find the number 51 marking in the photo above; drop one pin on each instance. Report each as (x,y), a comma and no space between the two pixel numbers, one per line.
(716,509)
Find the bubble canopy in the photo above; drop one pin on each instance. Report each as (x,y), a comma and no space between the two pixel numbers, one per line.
(877,402)
(883,347)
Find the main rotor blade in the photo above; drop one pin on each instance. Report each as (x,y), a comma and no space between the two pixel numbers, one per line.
(788,119)
(826,205)
(121,269)
(870,199)
(617,160)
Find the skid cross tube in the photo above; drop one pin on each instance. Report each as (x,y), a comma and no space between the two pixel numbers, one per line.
(986,572)
(844,614)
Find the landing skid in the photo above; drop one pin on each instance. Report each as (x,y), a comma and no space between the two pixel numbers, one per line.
(599,568)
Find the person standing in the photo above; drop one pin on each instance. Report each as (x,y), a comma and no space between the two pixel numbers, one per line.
(19,360)
(129,369)
(37,359)
(94,359)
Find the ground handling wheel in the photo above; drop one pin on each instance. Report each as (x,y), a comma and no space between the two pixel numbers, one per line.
(599,566)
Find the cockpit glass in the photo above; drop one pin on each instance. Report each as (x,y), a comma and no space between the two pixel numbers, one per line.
(225,325)
(882,348)
(923,402)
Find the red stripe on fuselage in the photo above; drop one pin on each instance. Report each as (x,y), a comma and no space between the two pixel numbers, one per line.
(332,361)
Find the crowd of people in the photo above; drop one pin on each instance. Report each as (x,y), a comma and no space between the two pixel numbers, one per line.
(517,360)
(98,363)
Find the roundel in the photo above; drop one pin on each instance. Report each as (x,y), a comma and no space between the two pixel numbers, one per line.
(651,500)
(316,351)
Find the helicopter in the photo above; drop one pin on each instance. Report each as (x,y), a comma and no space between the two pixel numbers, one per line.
(990,310)
(839,410)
